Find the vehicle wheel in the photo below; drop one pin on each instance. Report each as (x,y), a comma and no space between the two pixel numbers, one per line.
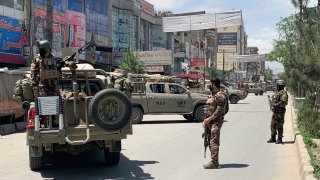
(112,158)
(137,115)
(198,113)
(188,117)
(256,94)
(110,109)
(261,93)
(234,99)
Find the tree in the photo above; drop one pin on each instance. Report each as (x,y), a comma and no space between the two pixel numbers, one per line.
(298,47)
(131,63)
(213,72)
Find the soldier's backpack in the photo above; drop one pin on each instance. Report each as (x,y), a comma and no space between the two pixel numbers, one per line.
(226,106)
(23,89)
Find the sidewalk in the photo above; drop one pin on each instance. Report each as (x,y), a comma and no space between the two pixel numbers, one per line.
(306,169)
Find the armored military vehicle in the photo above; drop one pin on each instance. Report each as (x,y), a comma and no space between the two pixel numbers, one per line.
(86,116)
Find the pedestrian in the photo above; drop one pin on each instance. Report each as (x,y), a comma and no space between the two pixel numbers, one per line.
(278,102)
(219,103)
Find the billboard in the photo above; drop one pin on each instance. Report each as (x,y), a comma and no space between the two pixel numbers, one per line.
(77,28)
(227,42)
(151,58)
(10,41)
(58,30)
(197,65)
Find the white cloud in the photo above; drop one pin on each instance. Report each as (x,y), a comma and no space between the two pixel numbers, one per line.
(265,46)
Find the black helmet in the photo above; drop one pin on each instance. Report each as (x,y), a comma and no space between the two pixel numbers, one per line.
(44,47)
(280,82)
(44,44)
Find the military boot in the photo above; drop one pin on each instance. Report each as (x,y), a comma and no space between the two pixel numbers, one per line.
(210,165)
(279,140)
(272,139)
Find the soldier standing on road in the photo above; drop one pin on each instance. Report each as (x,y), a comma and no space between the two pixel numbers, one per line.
(219,102)
(279,102)
(44,72)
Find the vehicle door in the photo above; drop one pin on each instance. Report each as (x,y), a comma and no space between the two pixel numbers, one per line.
(180,100)
(157,98)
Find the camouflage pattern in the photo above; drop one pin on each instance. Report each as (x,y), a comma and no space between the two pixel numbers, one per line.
(122,82)
(218,103)
(279,102)
(44,75)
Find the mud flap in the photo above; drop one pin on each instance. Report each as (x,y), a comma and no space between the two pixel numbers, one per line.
(35,151)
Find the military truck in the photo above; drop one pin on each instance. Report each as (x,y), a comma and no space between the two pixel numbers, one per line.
(87,116)
(166,98)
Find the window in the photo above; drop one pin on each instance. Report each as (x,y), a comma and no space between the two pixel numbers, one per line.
(8,3)
(59,6)
(97,16)
(157,88)
(94,87)
(19,5)
(76,5)
(175,89)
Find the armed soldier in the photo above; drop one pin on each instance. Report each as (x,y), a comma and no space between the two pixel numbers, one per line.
(278,103)
(44,73)
(122,82)
(219,103)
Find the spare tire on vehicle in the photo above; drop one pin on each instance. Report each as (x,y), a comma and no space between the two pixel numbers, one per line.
(110,109)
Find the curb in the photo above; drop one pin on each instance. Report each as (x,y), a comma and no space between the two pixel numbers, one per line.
(306,169)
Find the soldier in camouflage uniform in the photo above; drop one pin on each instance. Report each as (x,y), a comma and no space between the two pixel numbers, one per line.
(219,102)
(44,73)
(122,82)
(279,102)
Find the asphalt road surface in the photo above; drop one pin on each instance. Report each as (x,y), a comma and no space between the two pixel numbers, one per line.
(169,147)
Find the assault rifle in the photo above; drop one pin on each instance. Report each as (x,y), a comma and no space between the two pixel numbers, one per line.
(206,139)
(206,132)
(68,59)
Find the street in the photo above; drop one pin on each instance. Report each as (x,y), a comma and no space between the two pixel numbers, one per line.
(169,147)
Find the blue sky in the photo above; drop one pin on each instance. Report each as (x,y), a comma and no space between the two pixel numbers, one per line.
(260,17)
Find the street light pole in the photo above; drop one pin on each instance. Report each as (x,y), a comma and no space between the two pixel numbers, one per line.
(223,64)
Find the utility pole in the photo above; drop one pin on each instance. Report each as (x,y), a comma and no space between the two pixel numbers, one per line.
(223,64)
(29,27)
(49,33)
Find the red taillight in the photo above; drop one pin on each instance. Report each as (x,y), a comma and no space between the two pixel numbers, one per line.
(31,117)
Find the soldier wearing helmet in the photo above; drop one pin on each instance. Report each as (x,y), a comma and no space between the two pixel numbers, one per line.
(44,71)
(279,102)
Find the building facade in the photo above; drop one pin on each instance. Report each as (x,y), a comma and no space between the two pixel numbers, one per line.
(12,33)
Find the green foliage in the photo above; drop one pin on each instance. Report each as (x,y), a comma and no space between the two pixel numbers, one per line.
(131,63)
(309,120)
(298,48)
(213,72)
